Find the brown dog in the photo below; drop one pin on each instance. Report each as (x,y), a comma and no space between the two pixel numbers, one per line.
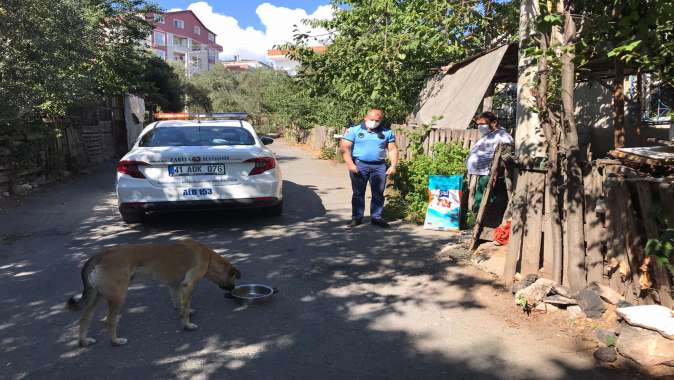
(180,266)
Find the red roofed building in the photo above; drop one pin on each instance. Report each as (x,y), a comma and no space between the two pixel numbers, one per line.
(181,37)
(238,64)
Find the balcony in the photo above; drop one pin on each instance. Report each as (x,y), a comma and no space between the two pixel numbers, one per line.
(180,43)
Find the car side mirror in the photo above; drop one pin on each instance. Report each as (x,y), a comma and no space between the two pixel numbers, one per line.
(266,140)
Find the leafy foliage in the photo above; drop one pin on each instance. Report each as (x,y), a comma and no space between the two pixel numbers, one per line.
(56,54)
(637,32)
(411,182)
(380,52)
(662,248)
(272,98)
(328,153)
(163,86)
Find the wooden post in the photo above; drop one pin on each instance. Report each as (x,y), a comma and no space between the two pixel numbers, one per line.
(519,205)
(648,215)
(493,174)
(548,250)
(531,246)
(574,184)
(594,260)
(619,105)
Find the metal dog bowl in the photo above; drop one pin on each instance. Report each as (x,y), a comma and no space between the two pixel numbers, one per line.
(251,293)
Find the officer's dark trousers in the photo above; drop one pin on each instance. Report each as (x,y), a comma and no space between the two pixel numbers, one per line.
(375,173)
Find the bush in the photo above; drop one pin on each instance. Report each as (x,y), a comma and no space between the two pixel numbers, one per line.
(328,153)
(410,186)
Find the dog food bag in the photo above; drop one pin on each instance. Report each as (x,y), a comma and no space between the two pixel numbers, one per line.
(444,208)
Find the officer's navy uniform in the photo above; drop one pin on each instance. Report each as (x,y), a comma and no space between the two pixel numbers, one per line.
(369,155)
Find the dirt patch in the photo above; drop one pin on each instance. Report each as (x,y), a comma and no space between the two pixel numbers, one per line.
(568,333)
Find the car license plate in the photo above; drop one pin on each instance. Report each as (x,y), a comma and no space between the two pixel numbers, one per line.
(197,192)
(195,170)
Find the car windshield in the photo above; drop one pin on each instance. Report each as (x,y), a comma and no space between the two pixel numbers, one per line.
(197,136)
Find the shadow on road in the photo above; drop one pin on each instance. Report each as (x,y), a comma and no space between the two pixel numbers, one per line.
(346,298)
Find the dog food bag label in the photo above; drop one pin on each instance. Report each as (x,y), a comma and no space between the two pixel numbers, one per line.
(444,208)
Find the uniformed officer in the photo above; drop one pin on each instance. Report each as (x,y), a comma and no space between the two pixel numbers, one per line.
(364,148)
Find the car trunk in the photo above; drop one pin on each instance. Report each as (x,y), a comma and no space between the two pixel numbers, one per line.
(171,166)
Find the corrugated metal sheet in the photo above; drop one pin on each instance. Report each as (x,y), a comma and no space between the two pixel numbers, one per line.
(456,96)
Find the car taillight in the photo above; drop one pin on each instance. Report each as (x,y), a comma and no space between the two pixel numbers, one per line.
(262,164)
(131,168)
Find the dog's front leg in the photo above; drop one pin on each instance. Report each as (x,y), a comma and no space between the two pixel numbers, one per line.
(175,296)
(185,299)
(112,320)
(175,299)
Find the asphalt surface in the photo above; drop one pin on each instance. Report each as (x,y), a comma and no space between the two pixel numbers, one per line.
(352,303)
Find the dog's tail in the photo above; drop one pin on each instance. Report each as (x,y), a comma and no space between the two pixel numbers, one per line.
(74,304)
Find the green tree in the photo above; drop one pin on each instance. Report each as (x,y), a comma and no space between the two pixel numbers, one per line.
(56,54)
(637,32)
(162,87)
(380,52)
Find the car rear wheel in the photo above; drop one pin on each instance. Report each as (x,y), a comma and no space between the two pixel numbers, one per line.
(276,210)
(132,216)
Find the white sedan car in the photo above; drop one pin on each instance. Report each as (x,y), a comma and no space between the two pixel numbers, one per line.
(198,165)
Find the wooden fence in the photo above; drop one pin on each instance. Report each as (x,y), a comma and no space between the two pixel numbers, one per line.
(89,135)
(620,214)
(319,137)
(322,137)
(466,137)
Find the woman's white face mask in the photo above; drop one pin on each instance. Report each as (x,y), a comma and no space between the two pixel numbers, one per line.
(483,128)
(371,124)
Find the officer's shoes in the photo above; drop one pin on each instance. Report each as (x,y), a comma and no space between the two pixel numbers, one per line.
(355,222)
(380,222)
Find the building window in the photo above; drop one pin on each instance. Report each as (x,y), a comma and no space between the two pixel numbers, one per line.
(197,30)
(211,37)
(180,42)
(159,39)
(160,19)
(179,24)
(212,54)
(160,53)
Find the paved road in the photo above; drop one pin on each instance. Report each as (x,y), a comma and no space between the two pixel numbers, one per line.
(352,304)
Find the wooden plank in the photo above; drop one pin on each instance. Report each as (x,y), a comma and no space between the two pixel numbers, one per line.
(616,234)
(565,238)
(519,207)
(548,249)
(493,173)
(531,246)
(508,179)
(426,145)
(594,258)
(635,245)
(475,135)
(648,214)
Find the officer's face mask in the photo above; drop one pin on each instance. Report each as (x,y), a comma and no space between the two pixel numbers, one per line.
(483,128)
(371,124)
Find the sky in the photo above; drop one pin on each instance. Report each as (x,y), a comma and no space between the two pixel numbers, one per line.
(249,28)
